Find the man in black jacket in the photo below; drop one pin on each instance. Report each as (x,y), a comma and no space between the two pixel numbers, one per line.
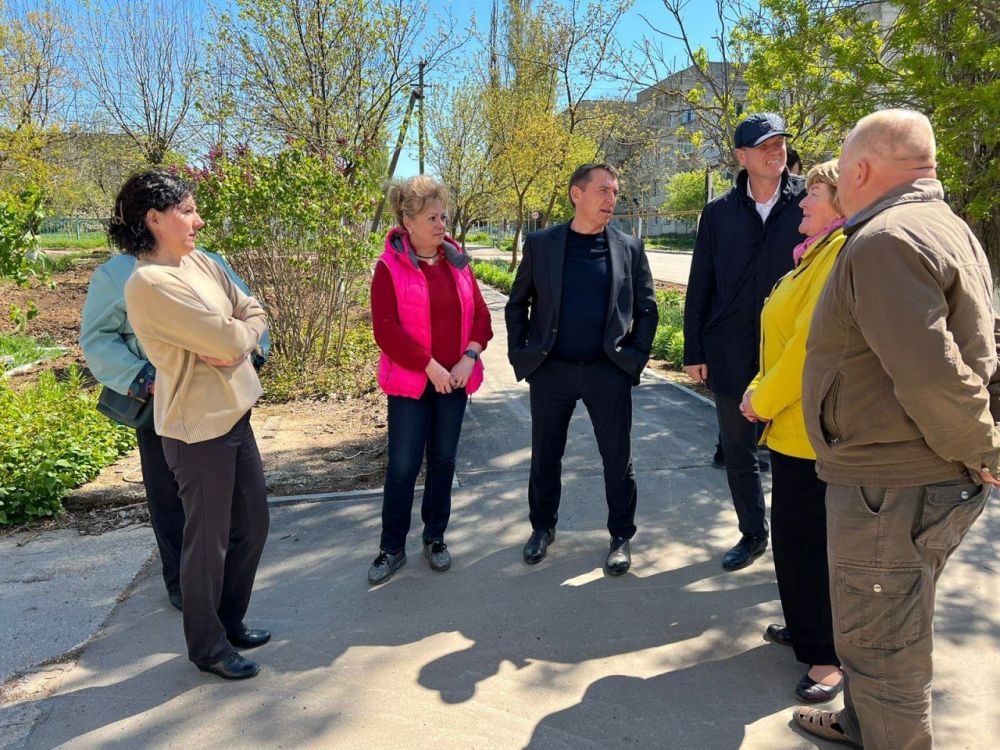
(580,323)
(745,242)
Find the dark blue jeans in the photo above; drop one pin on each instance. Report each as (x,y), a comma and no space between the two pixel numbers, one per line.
(428,425)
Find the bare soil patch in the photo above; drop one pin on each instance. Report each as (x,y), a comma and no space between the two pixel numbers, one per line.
(669,286)
(58,316)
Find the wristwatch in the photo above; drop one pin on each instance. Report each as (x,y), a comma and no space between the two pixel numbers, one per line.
(471,354)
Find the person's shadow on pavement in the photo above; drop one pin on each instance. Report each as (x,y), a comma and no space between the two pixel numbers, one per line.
(542,615)
(707,705)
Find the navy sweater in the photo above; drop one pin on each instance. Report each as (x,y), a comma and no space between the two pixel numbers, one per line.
(583,309)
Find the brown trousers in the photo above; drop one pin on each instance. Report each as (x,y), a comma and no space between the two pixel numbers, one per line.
(887,547)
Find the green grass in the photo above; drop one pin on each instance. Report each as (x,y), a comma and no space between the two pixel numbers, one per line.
(24,349)
(69,241)
(63,262)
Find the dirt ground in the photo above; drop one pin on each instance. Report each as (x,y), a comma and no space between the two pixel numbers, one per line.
(329,444)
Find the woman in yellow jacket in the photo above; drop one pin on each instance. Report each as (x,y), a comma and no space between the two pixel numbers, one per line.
(798,510)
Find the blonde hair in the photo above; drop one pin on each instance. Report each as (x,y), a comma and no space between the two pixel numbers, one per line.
(826,173)
(410,197)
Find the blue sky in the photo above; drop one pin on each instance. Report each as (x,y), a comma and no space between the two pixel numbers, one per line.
(699,18)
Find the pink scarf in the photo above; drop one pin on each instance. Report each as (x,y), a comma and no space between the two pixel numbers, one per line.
(802,247)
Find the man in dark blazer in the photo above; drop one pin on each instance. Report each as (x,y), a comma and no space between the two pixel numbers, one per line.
(580,323)
(744,245)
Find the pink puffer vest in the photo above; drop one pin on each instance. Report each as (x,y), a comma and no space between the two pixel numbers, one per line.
(414,306)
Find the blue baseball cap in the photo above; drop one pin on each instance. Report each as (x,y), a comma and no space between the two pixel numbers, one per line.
(757,128)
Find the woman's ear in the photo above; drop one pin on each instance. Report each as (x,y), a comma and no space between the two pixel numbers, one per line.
(152,218)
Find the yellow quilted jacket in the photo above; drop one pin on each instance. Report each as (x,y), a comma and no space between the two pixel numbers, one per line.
(777,389)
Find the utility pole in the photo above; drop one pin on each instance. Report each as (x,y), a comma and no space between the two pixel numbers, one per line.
(420,119)
(416,93)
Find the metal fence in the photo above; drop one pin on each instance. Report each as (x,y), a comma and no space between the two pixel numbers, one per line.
(71,226)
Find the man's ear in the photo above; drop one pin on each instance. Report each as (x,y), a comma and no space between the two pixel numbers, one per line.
(741,157)
(863,172)
(574,195)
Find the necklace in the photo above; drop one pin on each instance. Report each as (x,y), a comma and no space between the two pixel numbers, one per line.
(428,259)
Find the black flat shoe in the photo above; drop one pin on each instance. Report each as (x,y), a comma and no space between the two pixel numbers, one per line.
(748,549)
(810,691)
(619,558)
(537,545)
(249,638)
(778,634)
(233,667)
(176,600)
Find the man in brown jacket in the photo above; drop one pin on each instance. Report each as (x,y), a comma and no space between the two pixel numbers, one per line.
(900,394)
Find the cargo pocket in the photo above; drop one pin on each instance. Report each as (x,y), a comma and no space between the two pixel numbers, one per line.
(878,607)
(949,511)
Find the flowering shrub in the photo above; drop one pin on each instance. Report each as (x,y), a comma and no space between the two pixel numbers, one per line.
(294,225)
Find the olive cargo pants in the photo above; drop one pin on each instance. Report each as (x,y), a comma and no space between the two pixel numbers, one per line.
(886,548)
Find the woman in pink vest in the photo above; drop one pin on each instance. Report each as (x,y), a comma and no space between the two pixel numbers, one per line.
(431,324)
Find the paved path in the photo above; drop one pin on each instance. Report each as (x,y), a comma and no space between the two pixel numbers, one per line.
(671,267)
(496,654)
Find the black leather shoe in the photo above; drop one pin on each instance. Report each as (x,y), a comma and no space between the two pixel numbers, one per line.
(619,558)
(719,459)
(249,638)
(176,601)
(233,667)
(749,548)
(778,634)
(810,691)
(538,544)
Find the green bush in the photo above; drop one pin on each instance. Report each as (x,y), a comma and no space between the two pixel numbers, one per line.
(352,374)
(494,272)
(668,344)
(52,440)
(478,238)
(678,243)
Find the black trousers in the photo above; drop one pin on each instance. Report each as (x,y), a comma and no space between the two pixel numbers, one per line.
(739,444)
(798,543)
(606,391)
(225,501)
(166,513)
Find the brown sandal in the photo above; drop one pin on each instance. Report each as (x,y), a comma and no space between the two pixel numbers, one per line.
(822,724)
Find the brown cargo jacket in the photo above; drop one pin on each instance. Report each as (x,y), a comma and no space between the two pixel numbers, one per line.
(901,384)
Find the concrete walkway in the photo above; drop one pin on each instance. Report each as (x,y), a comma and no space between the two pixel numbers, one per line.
(496,654)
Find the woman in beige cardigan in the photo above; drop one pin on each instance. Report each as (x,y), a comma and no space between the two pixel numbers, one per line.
(199,329)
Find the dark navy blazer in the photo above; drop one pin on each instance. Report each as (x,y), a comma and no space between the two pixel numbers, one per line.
(532,311)
(737,260)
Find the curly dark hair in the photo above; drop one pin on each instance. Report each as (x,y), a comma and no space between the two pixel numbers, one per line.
(153,189)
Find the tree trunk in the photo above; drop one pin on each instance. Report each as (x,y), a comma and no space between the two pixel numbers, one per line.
(514,248)
(988,232)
